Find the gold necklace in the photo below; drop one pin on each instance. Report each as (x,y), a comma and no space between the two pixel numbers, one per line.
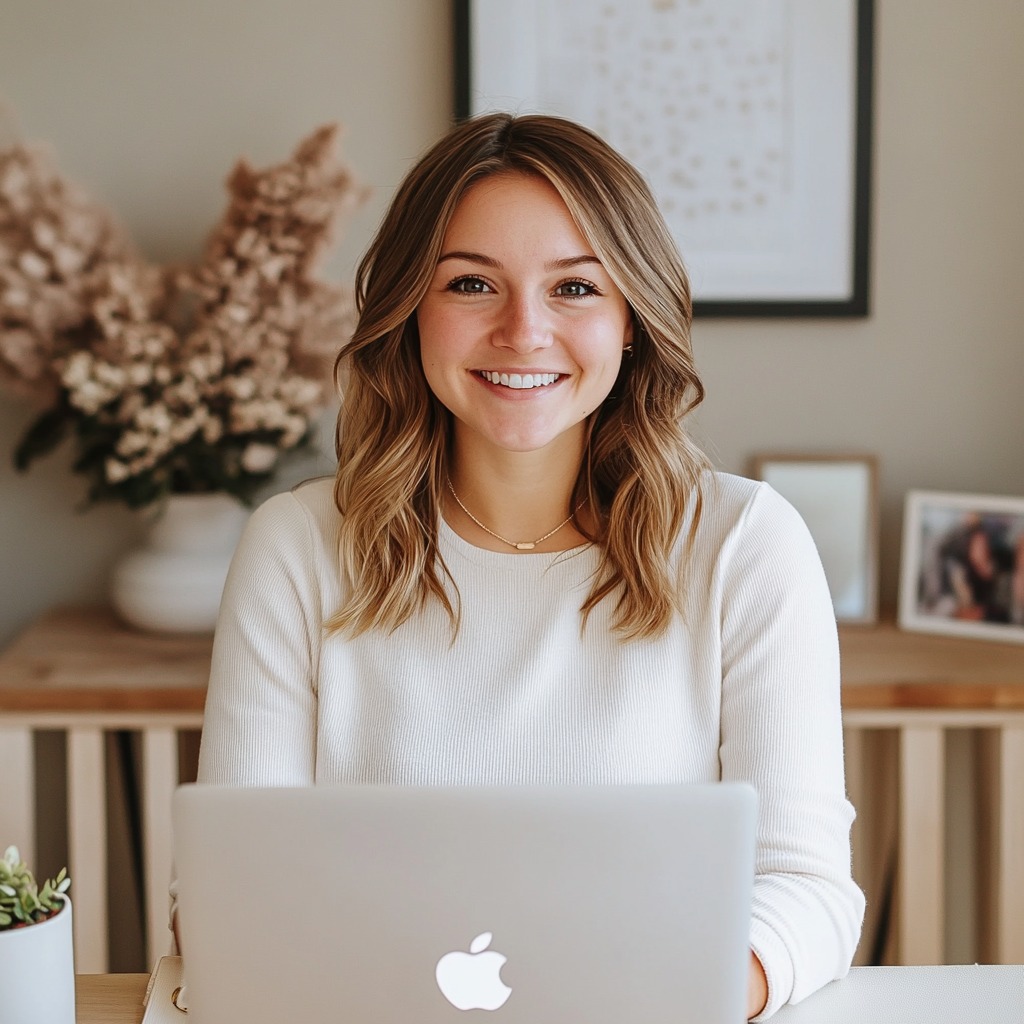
(523,545)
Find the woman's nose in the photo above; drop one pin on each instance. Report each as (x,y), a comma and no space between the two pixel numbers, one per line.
(524,325)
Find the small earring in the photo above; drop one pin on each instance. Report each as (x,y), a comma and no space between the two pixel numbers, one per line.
(628,349)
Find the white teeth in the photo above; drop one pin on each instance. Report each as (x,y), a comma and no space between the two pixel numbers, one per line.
(520,381)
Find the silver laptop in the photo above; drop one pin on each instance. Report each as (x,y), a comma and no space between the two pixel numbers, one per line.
(518,905)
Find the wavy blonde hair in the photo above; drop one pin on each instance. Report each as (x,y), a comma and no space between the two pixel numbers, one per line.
(639,469)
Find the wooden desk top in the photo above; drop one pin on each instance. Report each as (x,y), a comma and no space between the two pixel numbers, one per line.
(886,667)
(109,998)
(85,659)
(75,659)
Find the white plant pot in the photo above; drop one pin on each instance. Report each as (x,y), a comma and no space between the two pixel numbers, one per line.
(37,972)
(173,583)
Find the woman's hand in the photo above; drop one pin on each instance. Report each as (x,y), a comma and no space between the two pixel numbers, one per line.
(757,987)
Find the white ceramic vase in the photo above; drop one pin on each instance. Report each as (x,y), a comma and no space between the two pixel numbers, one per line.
(37,972)
(173,583)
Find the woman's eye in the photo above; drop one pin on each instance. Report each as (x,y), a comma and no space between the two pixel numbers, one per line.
(469,286)
(575,289)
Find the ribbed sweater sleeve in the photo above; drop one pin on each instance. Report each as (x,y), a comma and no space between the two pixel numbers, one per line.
(259,726)
(782,730)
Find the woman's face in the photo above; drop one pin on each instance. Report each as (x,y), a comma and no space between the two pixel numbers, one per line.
(521,329)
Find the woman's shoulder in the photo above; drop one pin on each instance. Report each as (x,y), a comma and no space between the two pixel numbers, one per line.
(306,508)
(728,497)
(314,496)
(734,506)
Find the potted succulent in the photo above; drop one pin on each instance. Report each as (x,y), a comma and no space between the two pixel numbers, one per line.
(37,969)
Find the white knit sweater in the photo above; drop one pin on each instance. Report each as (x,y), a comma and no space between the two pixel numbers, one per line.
(747,687)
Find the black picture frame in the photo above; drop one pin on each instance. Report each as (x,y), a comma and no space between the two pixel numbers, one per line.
(854,302)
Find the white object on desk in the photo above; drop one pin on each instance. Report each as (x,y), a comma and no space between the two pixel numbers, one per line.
(915,995)
(37,972)
(163,1002)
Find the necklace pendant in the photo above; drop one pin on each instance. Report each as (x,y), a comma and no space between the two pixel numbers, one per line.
(526,546)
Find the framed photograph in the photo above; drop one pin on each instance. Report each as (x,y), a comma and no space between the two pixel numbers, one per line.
(962,569)
(837,496)
(750,119)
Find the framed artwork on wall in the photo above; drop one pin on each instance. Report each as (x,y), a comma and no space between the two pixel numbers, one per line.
(837,496)
(751,121)
(962,566)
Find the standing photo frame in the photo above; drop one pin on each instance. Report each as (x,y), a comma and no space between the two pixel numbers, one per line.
(962,565)
(837,496)
(751,122)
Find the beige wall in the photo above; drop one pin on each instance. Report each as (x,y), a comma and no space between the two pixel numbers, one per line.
(149,104)
(933,380)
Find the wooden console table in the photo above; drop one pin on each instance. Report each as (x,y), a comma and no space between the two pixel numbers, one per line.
(81,671)
(921,685)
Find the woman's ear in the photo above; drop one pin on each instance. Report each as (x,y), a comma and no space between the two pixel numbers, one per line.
(634,331)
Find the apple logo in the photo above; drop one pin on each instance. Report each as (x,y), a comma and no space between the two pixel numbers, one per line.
(472,981)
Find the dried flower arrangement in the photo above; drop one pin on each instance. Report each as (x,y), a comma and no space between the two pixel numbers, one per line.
(22,902)
(173,381)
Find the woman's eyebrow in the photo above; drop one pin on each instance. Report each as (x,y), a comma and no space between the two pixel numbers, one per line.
(566,263)
(572,261)
(470,257)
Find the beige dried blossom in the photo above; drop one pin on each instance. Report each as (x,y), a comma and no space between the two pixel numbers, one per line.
(192,378)
(53,238)
(259,458)
(116,471)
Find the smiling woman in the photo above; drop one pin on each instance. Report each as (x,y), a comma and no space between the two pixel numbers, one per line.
(531,232)
(525,572)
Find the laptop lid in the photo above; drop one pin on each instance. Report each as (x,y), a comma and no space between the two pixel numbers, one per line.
(518,905)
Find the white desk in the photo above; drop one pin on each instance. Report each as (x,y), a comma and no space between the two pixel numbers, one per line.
(915,995)
(870,995)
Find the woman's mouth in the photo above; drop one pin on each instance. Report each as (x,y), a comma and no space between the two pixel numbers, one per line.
(519,381)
